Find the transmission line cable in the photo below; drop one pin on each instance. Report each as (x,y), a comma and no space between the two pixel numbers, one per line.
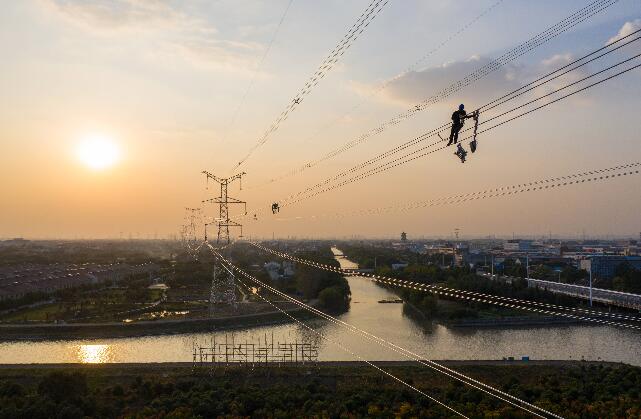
(533,186)
(538,40)
(415,154)
(507,302)
(344,348)
(612,47)
(370,13)
(491,105)
(259,65)
(382,87)
(515,401)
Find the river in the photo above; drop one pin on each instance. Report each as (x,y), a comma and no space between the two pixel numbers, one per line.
(387,321)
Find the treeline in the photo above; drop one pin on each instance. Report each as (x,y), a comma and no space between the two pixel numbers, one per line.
(371,256)
(329,288)
(586,392)
(428,270)
(462,279)
(626,279)
(31,298)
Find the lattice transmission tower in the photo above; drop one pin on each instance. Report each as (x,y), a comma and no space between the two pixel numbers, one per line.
(223,285)
(189,231)
(223,222)
(223,288)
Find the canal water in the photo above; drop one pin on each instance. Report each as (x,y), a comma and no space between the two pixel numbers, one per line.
(387,321)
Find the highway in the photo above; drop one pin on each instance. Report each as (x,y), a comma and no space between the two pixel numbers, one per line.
(615,298)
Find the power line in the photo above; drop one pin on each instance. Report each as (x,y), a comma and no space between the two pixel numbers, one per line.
(532,186)
(259,65)
(406,158)
(540,39)
(466,295)
(515,401)
(349,351)
(559,72)
(385,84)
(370,13)
(491,105)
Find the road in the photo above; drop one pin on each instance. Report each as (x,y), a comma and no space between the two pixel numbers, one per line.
(610,297)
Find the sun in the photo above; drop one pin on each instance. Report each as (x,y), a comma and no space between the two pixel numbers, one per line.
(98,152)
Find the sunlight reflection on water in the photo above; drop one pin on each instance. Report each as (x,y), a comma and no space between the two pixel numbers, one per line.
(94,354)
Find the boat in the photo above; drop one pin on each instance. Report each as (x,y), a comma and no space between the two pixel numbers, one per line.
(391,301)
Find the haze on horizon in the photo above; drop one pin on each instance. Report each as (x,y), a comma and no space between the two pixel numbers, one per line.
(110,111)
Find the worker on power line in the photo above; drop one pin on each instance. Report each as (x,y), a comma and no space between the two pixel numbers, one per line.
(458,119)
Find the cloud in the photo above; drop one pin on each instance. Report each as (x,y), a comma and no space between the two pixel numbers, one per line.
(233,56)
(626,29)
(415,86)
(118,16)
(550,64)
(170,31)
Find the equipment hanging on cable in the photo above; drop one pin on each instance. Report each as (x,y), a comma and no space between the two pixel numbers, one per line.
(473,143)
(461,153)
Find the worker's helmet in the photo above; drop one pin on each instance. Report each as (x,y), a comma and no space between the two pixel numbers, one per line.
(461,107)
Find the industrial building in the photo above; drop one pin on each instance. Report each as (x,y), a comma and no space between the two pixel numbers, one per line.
(605,266)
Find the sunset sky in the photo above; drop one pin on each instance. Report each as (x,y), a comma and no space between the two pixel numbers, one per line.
(110,109)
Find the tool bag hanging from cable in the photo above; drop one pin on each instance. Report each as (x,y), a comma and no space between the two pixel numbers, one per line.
(473,143)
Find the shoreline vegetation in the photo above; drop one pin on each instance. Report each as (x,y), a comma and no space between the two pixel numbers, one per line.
(574,389)
(450,312)
(71,331)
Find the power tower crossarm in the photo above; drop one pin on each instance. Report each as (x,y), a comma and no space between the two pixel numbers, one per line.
(218,200)
(221,180)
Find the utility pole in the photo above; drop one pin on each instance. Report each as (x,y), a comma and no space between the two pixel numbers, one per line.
(590,283)
(527,265)
(223,221)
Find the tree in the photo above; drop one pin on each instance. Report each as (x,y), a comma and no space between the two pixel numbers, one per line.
(627,279)
(572,275)
(333,299)
(541,272)
(61,386)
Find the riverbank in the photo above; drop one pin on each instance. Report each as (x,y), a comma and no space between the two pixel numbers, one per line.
(132,368)
(70,331)
(323,389)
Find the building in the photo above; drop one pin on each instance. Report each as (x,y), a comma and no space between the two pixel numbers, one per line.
(605,266)
(403,236)
(517,245)
(399,266)
(22,280)
(461,255)
(273,270)
(288,269)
